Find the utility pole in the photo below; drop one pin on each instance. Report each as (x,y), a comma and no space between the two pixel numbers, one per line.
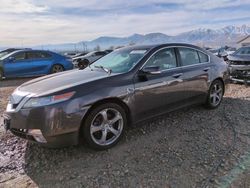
(84,46)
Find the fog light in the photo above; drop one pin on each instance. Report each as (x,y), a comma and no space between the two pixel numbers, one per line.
(37,134)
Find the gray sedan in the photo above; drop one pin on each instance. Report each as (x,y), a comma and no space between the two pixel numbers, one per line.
(127,86)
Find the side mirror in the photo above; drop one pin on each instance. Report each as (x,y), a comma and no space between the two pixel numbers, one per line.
(11,58)
(152,70)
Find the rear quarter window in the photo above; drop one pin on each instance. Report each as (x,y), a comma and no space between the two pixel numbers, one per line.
(45,55)
(203,57)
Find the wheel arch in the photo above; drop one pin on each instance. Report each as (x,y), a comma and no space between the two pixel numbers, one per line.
(83,60)
(220,79)
(115,100)
(52,65)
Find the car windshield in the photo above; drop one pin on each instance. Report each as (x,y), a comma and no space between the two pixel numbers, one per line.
(243,51)
(2,54)
(7,55)
(120,61)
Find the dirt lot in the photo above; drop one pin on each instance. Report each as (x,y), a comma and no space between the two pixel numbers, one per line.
(192,147)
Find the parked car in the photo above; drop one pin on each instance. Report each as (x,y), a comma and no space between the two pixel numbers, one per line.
(26,63)
(125,87)
(10,50)
(83,61)
(70,54)
(223,52)
(79,54)
(239,65)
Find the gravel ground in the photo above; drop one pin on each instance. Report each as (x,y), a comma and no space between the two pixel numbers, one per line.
(193,147)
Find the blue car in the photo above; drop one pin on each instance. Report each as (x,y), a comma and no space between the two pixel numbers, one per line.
(27,63)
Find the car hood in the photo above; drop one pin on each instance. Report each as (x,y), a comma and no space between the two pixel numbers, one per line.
(60,81)
(239,57)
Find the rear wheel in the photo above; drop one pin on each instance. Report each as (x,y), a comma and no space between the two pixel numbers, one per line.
(57,68)
(215,94)
(104,126)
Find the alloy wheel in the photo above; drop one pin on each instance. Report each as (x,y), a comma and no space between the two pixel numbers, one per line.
(216,94)
(106,126)
(57,68)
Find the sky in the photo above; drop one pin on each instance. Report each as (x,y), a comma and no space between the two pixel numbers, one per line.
(36,22)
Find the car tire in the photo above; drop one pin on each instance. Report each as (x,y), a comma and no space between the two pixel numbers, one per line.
(56,68)
(104,126)
(82,64)
(215,94)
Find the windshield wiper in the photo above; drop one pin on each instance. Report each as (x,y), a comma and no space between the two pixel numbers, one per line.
(107,70)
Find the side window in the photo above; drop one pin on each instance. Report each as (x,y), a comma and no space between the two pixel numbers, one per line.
(189,56)
(37,55)
(45,55)
(19,56)
(165,59)
(33,55)
(203,57)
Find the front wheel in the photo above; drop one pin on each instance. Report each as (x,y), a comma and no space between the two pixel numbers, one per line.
(56,69)
(104,126)
(83,64)
(215,94)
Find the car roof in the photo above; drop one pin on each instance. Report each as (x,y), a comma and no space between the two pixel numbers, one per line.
(31,50)
(152,46)
(26,50)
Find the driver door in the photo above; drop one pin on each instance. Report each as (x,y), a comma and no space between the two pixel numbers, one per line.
(15,65)
(161,92)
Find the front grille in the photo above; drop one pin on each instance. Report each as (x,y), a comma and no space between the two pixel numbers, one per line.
(241,73)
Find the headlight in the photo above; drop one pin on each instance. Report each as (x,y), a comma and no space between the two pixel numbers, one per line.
(43,101)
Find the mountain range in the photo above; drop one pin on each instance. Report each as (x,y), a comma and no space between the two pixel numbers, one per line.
(228,35)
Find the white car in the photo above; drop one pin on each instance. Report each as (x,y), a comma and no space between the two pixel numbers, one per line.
(222,52)
(89,58)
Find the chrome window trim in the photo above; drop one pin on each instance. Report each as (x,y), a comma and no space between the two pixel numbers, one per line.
(176,58)
(198,55)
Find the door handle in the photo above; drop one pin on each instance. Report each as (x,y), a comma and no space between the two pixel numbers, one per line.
(206,69)
(177,75)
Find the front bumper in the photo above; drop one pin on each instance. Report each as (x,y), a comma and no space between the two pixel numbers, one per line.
(240,73)
(55,125)
(75,64)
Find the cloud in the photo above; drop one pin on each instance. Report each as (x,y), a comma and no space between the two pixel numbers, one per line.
(31,22)
(21,6)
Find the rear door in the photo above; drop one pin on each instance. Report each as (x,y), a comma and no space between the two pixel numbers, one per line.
(196,69)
